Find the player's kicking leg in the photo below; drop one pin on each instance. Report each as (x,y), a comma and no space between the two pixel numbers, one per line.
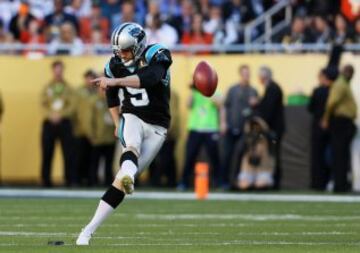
(130,135)
(123,184)
(135,136)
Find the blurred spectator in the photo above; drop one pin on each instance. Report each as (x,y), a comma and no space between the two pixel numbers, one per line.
(141,9)
(182,22)
(160,32)
(239,12)
(153,9)
(271,109)
(7,10)
(82,127)
(257,164)
(203,7)
(257,7)
(237,107)
(321,31)
(19,24)
(320,138)
(223,33)
(214,21)
(127,14)
(197,35)
(203,127)
(356,37)
(156,30)
(4,36)
(170,8)
(58,105)
(41,8)
(109,8)
(79,8)
(67,43)
(102,139)
(340,112)
(97,40)
(94,22)
(33,34)
(56,19)
(164,164)
(324,7)
(297,33)
(350,9)
(341,32)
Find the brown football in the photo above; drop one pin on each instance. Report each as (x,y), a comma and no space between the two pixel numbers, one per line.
(205,79)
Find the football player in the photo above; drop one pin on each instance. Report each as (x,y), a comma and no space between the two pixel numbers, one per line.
(141,74)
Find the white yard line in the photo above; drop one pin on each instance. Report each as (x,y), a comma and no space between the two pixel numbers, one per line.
(229,243)
(237,243)
(247,217)
(142,235)
(181,196)
(204,216)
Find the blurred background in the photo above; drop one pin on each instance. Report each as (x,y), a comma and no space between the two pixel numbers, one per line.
(284,115)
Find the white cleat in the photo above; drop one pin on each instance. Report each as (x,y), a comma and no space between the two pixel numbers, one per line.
(127,184)
(83,238)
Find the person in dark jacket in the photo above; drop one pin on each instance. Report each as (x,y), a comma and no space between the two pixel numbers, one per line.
(320,138)
(340,113)
(271,109)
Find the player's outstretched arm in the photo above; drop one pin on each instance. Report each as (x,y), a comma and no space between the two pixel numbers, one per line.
(146,77)
(132,81)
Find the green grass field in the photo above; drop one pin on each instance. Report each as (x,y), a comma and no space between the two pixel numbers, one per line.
(26,225)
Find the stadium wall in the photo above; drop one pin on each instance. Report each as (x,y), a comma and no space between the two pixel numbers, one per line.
(23,79)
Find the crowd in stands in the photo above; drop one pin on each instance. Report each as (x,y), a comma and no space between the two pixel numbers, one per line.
(219,22)
(321,30)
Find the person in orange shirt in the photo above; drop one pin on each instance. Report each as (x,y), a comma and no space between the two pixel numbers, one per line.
(197,35)
(95,20)
(33,33)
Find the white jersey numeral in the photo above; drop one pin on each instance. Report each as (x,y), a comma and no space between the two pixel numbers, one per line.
(139,97)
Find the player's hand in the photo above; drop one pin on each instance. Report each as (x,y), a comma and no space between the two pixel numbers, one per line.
(116,131)
(223,128)
(104,82)
(253,101)
(55,118)
(324,124)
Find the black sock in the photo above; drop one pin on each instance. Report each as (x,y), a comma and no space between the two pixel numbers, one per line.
(129,155)
(113,196)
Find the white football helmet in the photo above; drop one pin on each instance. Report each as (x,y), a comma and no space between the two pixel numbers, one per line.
(129,36)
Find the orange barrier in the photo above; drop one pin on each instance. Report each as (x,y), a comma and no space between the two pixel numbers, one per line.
(201,180)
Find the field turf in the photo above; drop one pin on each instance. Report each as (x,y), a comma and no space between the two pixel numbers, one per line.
(159,226)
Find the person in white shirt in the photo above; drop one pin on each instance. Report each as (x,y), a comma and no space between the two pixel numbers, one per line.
(67,43)
(223,32)
(160,32)
(79,8)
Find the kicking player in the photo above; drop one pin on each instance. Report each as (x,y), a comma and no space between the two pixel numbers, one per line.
(141,73)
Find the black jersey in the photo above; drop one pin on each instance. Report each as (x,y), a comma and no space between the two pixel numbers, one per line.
(151,101)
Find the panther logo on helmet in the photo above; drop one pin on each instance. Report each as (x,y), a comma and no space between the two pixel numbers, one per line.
(137,33)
